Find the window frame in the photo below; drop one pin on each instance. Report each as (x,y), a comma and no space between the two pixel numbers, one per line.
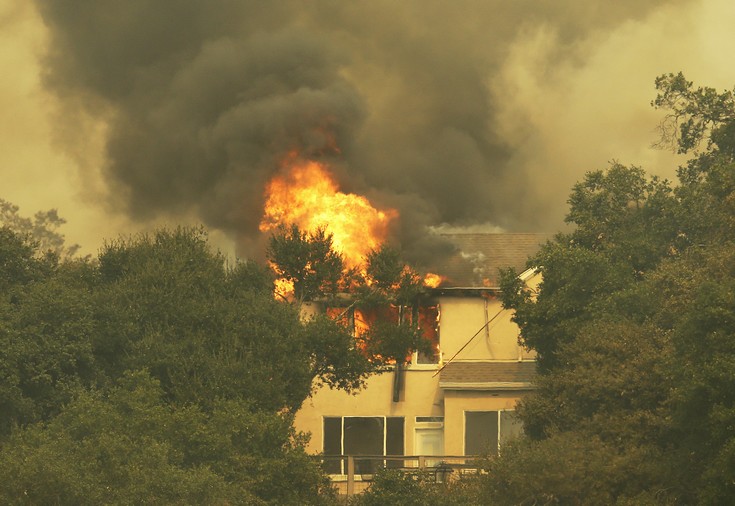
(499,425)
(342,418)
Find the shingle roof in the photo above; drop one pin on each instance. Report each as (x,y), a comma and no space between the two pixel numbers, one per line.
(487,375)
(479,256)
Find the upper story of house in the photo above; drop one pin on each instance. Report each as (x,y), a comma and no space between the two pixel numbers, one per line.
(473,326)
(457,400)
(463,316)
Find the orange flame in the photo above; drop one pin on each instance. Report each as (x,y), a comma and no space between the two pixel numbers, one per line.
(308,196)
(283,288)
(432,280)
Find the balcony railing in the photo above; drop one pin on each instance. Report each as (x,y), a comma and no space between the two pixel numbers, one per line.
(353,474)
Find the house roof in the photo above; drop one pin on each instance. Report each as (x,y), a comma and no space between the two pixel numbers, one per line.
(478,257)
(488,375)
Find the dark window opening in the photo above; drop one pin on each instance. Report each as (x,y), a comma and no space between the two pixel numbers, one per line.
(394,440)
(428,321)
(332,444)
(358,435)
(486,431)
(363,436)
(480,432)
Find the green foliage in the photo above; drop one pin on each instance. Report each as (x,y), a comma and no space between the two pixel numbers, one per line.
(694,114)
(317,273)
(389,283)
(384,268)
(307,260)
(577,467)
(389,342)
(388,280)
(633,324)
(18,263)
(130,446)
(625,225)
(168,304)
(46,326)
(624,367)
(156,374)
(335,360)
(419,489)
(42,230)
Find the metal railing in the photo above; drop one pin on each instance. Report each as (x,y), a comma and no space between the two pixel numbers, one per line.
(353,474)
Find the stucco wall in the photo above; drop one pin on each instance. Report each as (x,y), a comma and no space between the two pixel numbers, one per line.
(460,319)
(421,396)
(463,317)
(457,402)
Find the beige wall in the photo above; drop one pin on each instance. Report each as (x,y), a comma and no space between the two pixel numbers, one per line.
(460,319)
(457,402)
(421,396)
(463,317)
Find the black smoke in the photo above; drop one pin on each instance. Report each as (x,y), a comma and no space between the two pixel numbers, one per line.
(203,99)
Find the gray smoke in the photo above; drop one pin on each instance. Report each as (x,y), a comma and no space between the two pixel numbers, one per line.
(204,99)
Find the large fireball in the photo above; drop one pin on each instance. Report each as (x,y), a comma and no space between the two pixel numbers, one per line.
(307,195)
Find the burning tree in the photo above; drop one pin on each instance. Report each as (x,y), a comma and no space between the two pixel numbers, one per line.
(328,246)
(379,300)
(305,262)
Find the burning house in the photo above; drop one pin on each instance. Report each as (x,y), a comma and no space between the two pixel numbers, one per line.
(458,401)
(457,396)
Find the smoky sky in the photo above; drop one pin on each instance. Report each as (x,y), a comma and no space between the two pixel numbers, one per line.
(203,99)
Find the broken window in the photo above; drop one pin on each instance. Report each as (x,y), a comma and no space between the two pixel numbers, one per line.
(428,320)
(486,431)
(361,435)
(361,320)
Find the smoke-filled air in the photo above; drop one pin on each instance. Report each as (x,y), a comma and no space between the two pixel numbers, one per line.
(415,115)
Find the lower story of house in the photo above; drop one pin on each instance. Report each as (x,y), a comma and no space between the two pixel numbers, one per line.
(464,410)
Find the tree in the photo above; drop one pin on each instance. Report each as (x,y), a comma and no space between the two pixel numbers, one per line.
(45,332)
(307,260)
(131,446)
(159,372)
(42,229)
(694,115)
(18,264)
(633,324)
(385,283)
(167,303)
(389,283)
(625,224)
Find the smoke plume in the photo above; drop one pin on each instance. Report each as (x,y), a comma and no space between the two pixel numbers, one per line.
(416,104)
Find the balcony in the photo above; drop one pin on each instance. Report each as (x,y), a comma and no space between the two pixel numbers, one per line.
(358,471)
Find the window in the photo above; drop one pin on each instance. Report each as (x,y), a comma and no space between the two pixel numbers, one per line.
(361,435)
(486,431)
(428,322)
(429,437)
(425,317)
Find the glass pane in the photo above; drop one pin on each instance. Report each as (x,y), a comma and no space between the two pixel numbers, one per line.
(428,318)
(364,436)
(481,432)
(394,440)
(332,444)
(430,442)
(510,426)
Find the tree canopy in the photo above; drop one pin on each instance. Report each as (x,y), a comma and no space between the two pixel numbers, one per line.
(634,325)
(156,373)
(42,229)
